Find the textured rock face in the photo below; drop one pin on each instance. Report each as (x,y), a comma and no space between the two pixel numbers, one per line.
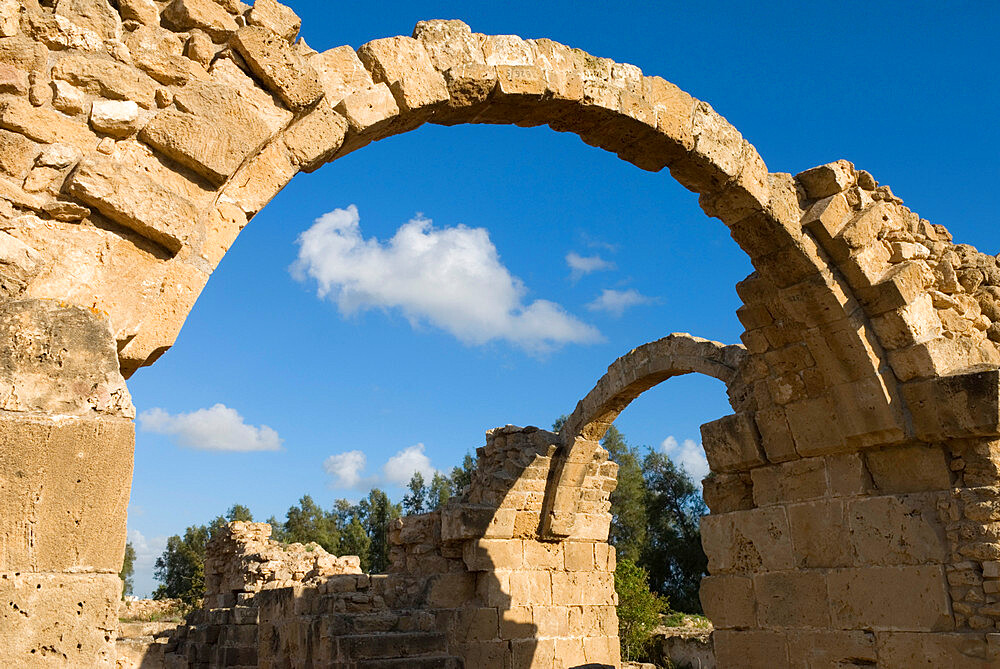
(854,489)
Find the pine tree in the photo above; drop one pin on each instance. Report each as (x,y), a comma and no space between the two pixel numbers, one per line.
(439,492)
(628,501)
(415,501)
(128,570)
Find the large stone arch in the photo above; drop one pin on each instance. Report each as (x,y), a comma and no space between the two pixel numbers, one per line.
(140,137)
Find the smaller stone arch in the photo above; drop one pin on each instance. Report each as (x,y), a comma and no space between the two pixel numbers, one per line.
(627,377)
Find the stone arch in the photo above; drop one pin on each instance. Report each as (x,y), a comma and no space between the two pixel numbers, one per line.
(628,377)
(140,137)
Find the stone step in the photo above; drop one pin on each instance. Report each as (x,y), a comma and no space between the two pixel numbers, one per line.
(439,662)
(391,646)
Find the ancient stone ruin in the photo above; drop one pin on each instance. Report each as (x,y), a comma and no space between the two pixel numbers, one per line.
(855,488)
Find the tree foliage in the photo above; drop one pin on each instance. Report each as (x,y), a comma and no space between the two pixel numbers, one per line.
(181,567)
(308,522)
(415,501)
(128,570)
(628,501)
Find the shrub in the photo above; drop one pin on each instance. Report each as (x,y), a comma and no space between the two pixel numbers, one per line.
(639,608)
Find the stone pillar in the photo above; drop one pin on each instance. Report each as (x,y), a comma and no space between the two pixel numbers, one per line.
(66,449)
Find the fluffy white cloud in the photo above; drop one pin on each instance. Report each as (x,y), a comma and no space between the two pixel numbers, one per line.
(688,455)
(615,302)
(400,467)
(449,277)
(582,265)
(345,468)
(146,552)
(218,428)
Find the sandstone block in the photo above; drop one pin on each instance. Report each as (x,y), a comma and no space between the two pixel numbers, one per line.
(791,599)
(732,443)
(10,18)
(402,63)
(82,607)
(314,139)
(728,492)
(911,468)
(971,650)
(69,99)
(449,43)
(279,66)
(579,556)
(751,648)
(13,80)
(17,154)
(890,598)
(955,406)
(744,542)
(158,53)
(276,17)
(67,510)
(108,78)
(729,601)
(118,119)
(812,427)
(133,200)
(207,15)
(19,263)
(816,649)
(212,149)
(96,15)
(826,180)
(143,11)
(492,554)
(45,125)
(793,481)
(530,588)
(827,217)
(821,534)
(262,178)
(340,72)
(900,529)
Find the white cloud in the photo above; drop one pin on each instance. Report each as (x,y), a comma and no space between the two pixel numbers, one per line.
(688,455)
(615,302)
(218,428)
(400,467)
(345,468)
(449,277)
(583,265)
(146,552)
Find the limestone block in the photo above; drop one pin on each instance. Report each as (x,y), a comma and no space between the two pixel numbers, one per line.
(531,588)
(207,15)
(820,534)
(276,17)
(262,178)
(793,481)
(449,43)
(751,648)
(910,468)
(814,427)
(369,111)
(728,492)
(96,15)
(279,66)
(61,359)
(66,509)
(828,179)
(10,18)
(955,406)
(82,607)
(133,200)
(13,80)
(791,599)
(45,125)
(17,154)
(451,590)
(745,541)
(521,81)
(775,435)
(210,146)
(403,64)
(847,475)
(890,598)
(468,87)
(869,413)
(827,217)
(813,649)
(115,118)
(340,72)
(728,601)
(19,263)
(901,529)
(314,139)
(969,650)
(143,11)
(493,554)
(108,78)
(69,99)
(159,53)
(732,443)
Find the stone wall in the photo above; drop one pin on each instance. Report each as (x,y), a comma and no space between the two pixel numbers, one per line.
(854,487)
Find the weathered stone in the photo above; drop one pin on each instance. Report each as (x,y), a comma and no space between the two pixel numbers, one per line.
(211,149)
(890,598)
(205,15)
(119,119)
(402,63)
(134,200)
(45,125)
(276,17)
(826,180)
(280,67)
(107,78)
(143,11)
(97,15)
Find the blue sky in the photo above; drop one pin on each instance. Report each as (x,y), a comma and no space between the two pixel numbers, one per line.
(378,371)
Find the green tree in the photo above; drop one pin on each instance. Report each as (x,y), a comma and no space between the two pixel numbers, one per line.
(440,491)
(628,501)
(415,501)
(673,554)
(639,609)
(277,529)
(354,540)
(239,512)
(309,522)
(181,567)
(128,570)
(377,512)
(461,477)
